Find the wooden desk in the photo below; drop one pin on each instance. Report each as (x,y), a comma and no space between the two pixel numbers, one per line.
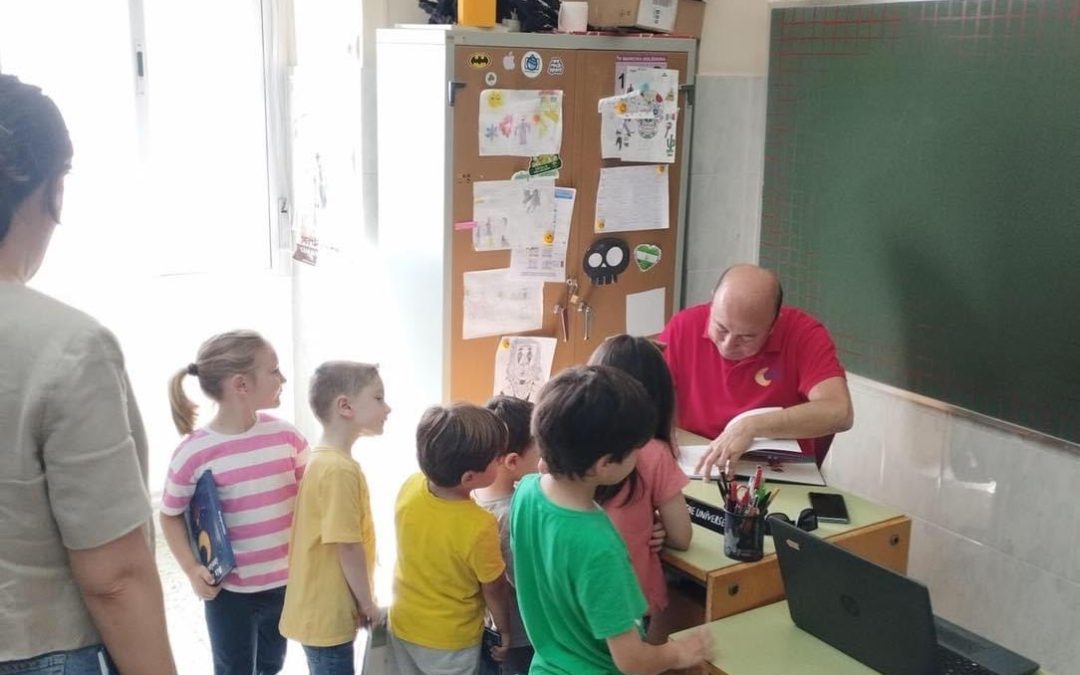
(712,586)
(764,641)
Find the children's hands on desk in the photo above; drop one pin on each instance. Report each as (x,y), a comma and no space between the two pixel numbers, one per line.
(693,648)
(202,582)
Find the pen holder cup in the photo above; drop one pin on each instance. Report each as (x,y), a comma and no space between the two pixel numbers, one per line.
(744,536)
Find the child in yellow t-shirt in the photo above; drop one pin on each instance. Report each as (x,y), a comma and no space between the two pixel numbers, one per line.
(332,546)
(449,565)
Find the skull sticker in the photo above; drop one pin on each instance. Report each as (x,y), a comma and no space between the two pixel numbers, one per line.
(605,260)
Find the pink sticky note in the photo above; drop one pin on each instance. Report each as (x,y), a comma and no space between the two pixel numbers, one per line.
(467,225)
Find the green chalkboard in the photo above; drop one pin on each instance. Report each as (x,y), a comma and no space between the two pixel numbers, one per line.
(922,196)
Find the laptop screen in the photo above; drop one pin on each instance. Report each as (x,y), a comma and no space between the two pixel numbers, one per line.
(871,613)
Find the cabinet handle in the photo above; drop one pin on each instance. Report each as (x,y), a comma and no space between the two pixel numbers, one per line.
(451,91)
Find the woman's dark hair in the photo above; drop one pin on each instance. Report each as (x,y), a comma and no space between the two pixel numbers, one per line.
(641,359)
(35,148)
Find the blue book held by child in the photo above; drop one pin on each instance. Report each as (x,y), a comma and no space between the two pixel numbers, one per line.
(206,529)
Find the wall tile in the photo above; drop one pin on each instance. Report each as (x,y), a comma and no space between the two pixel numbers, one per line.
(716,231)
(721,123)
(855,460)
(997,596)
(914,445)
(699,285)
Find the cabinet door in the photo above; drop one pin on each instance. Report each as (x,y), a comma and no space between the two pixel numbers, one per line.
(472,361)
(596,80)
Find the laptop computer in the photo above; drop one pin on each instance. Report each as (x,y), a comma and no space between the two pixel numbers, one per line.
(876,616)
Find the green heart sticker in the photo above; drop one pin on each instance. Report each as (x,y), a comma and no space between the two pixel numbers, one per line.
(647,256)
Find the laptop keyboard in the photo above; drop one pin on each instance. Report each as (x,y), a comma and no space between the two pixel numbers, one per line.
(952,663)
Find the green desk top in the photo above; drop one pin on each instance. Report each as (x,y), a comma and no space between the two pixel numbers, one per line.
(706,550)
(764,640)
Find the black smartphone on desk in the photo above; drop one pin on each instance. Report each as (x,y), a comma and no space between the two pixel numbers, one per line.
(830,508)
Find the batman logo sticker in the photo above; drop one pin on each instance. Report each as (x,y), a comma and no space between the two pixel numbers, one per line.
(479,60)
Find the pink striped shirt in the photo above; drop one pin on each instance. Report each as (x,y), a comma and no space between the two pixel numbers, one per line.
(257,474)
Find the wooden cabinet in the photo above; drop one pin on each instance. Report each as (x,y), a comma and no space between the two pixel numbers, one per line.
(429,86)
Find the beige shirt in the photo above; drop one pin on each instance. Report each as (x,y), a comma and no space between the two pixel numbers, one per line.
(72,466)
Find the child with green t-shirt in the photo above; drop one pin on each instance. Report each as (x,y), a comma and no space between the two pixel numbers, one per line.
(332,545)
(577,591)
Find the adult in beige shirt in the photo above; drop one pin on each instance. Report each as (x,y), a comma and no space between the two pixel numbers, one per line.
(79,591)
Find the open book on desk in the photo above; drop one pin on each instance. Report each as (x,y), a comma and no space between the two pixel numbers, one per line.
(781,460)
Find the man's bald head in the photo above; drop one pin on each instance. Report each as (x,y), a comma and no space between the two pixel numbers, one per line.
(745,305)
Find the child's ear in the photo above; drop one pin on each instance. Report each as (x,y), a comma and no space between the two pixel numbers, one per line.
(237,383)
(511,460)
(343,406)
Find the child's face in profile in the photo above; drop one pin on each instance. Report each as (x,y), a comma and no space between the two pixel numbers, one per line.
(613,472)
(370,408)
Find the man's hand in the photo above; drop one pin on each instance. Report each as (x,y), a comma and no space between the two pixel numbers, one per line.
(202,582)
(730,445)
(658,536)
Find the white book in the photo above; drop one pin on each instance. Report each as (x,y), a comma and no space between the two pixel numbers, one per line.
(781,460)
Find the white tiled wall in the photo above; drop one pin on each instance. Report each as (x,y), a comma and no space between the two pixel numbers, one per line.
(725,179)
(995,515)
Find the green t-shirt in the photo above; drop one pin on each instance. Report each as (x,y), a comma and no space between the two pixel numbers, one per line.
(575,585)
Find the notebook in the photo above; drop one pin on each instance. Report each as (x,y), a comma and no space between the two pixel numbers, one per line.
(876,616)
(781,460)
(207,533)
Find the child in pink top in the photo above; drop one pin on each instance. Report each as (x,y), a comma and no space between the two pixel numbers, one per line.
(654,489)
(257,461)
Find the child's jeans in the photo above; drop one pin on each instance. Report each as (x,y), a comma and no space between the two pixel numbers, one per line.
(244,632)
(336,660)
(86,661)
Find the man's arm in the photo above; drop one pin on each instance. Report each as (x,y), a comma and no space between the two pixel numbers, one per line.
(353,561)
(827,411)
(496,597)
(121,588)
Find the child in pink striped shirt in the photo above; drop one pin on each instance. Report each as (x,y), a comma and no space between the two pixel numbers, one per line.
(257,461)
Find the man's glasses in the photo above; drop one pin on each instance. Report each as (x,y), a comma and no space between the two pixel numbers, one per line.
(807,521)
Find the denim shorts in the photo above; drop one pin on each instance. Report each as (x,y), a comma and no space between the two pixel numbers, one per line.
(86,661)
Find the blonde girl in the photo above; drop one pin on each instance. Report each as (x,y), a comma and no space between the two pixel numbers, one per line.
(257,461)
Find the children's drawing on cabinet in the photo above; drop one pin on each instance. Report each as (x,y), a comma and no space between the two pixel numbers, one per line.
(512,213)
(495,303)
(520,122)
(640,125)
(523,365)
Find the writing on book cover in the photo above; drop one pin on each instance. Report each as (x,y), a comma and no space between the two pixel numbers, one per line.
(206,529)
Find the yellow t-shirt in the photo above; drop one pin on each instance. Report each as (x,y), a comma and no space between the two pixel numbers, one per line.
(446,550)
(332,508)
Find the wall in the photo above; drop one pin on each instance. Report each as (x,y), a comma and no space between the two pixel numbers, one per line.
(994,520)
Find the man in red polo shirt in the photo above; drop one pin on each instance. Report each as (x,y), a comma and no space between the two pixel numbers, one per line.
(744,350)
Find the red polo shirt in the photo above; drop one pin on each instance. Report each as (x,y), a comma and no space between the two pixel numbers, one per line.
(710,390)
